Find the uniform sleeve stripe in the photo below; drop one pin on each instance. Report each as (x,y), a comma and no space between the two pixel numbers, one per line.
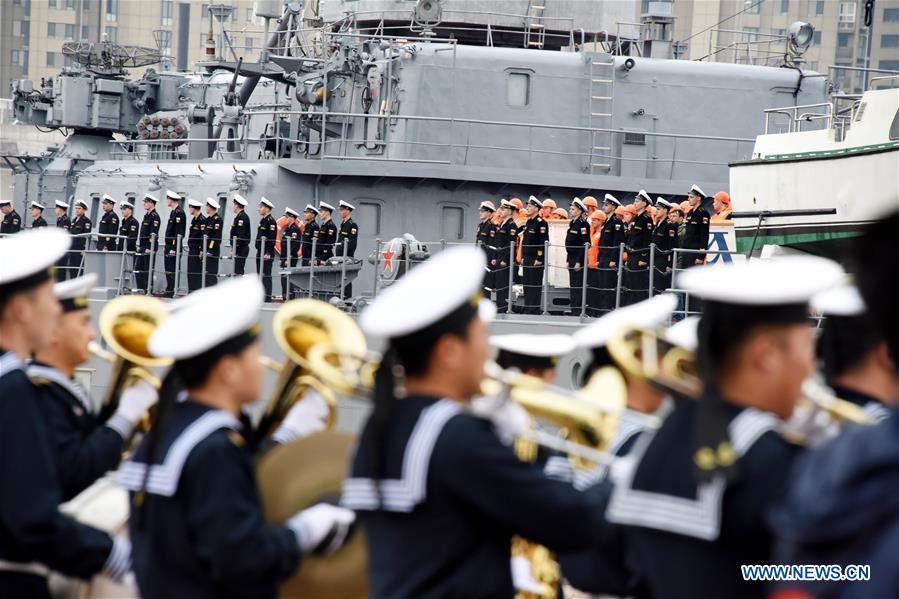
(119,561)
(121,425)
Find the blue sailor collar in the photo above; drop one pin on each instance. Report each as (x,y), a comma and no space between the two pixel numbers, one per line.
(164,477)
(404,493)
(36,370)
(10,362)
(700,517)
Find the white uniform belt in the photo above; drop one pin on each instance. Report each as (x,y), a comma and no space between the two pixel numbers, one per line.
(25,568)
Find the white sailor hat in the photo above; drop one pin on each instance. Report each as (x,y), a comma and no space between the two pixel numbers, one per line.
(29,256)
(310,208)
(778,281)
(611,199)
(660,201)
(487,205)
(291,212)
(61,204)
(345,204)
(212,316)
(533,200)
(173,195)
(240,200)
(325,206)
(695,190)
(37,205)
(844,300)
(579,203)
(194,203)
(266,202)
(448,280)
(151,197)
(506,203)
(213,202)
(642,195)
(648,314)
(72,294)
(538,346)
(108,199)
(684,334)
(5,201)
(127,204)
(81,203)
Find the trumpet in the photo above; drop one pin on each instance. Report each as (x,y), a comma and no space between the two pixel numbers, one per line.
(126,324)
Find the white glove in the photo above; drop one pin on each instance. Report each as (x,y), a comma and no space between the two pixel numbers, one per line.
(133,404)
(509,419)
(522,577)
(323,528)
(307,416)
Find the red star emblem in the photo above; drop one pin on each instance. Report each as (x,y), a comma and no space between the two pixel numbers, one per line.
(388,257)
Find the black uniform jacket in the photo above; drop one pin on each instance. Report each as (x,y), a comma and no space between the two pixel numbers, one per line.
(349,231)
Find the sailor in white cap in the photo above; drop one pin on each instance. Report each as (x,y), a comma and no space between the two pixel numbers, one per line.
(533,355)
(86,448)
(505,242)
(240,234)
(424,463)
(37,215)
(147,242)
(197,524)
(485,236)
(213,248)
(175,228)
(128,230)
(704,483)
(62,222)
(639,238)
(577,240)
(195,245)
(854,357)
(37,536)
(310,232)
(109,225)
(534,235)
(327,233)
(614,233)
(290,247)
(12,222)
(696,236)
(266,240)
(664,237)
(347,238)
(80,229)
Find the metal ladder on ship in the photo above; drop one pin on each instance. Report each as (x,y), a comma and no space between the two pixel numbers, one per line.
(534,24)
(602,88)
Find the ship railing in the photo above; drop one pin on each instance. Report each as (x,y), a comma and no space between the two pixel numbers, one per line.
(748,47)
(797,115)
(843,76)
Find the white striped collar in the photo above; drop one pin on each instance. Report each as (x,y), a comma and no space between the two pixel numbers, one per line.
(10,362)
(403,494)
(699,518)
(876,411)
(164,477)
(72,386)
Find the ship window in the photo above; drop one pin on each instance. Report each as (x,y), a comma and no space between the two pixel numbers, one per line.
(368,218)
(894,128)
(634,139)
(517,89)
(452,224)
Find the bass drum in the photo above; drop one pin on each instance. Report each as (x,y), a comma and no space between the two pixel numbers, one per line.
(295,476)
(103,505)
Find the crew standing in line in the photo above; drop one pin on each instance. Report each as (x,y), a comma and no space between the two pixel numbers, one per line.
(696,236)
(127,242)
(349,233)
(195,245)
(80,230)
(62,222)
(486,240)
(240,234)
(147,243)
(174,230)
(37,216)
(504,257)
(327,233)
(12,222)
(534,236)
(213,250)
(639,237)
(310,233)
(109,226)
(613,235)
(576,242)
(290,243)
(665,239)
(266,237)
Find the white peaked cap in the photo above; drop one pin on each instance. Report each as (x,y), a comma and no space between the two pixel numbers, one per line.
(29,252)
(213,202)
(650,313)
(844,300)
(539,346)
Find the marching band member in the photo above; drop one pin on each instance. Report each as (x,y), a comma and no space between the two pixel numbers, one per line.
(438,494)
(34,536)
(533,355)
(84,449)
(197,523)
(694,495)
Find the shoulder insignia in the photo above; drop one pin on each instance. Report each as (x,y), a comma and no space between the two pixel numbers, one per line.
(236,438)
(315,233)
(353,230)
(177,219)
(705,220)
(39,381)
(217,225)
(617,227)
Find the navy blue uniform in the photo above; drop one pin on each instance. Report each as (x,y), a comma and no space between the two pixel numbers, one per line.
(11,223)
(146,247)
(32,529)
(349,232)
(665,239)
(213,247)
(80,228)
(201,531)
(267,229)
(639,237)
(38,223)
(194,249)
(174,228)
(128,229)
(310,232)
(290,238)
(613,235)
(696,235)
(534,235)
(240,241)
(63,222)
(108,228)
(675,527)
(873,407)
(506,238)
(486,239)
(451,498)
(576,238)
(327,237)
(84,449)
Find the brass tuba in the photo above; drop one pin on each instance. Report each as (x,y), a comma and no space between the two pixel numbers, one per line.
(126,324)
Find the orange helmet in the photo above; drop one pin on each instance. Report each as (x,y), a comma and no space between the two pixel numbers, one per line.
(631,208)
(619,211)
(686,207)
(723,197)
(598,215)
(560,213)
(517,203)
(549,203)
(590,201)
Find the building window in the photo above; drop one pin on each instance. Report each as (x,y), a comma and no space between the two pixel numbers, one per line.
(891,14)
(819,7)
(816,38)
(26,6)
(844,40)
(165,39)
(51,29)
(14,57)
(750,34)
(251,43)
(86,4)
(887,65)
(250,15)
(70,31)
(518,89)
(754,8)
(452,225)
(52,4)
(784,7)
(847,12)
(85,32)
(70,4)
(51,59)
(25,62)
(889,41)
(167,8)
(112,10)
(112,34)
(204,11)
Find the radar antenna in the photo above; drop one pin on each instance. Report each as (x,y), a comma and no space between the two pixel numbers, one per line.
(109,59)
